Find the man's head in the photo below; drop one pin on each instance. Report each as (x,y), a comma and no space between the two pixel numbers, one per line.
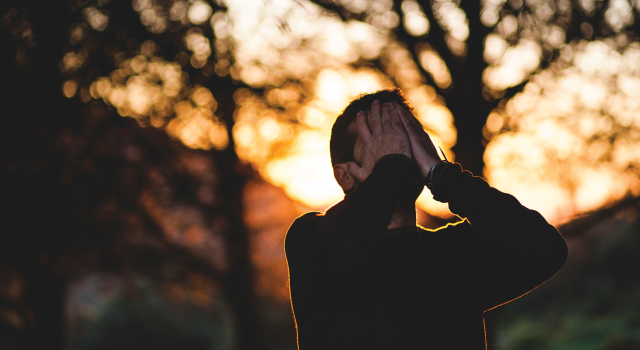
(344,147)
(344,132)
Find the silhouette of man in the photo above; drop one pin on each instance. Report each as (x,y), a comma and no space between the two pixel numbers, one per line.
(362,275)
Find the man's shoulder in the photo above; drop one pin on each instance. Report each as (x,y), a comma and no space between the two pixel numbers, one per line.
(303,220)
(299,225)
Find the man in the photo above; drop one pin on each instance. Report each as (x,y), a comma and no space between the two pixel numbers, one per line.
(364,276)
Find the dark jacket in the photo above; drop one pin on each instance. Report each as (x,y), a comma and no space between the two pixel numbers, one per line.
(357,285)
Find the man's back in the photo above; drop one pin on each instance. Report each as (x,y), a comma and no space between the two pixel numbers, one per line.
(358,283)
(366,287)
(405,296)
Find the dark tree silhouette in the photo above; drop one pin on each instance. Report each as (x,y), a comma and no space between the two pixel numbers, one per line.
(88,190)
(81,183)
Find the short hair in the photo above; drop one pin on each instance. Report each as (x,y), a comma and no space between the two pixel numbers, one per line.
(342,139)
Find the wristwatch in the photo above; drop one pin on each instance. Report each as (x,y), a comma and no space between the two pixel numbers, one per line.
(432,171)
(433,168)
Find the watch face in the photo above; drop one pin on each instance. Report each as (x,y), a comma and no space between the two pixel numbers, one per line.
(432,173)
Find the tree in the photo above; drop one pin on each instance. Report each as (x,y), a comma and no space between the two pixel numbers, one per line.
(531,50)
(89,190)
(249,88)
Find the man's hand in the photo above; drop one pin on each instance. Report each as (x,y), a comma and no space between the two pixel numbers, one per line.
(381,133)
(424,152)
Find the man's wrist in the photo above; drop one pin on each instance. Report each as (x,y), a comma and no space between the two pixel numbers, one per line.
(430,180)
(428,166)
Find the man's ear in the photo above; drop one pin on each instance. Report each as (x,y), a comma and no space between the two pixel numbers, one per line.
(343,177)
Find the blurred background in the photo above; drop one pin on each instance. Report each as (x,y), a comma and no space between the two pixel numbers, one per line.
(156,151)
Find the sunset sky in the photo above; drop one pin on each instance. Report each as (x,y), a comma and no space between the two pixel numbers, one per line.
(550,145)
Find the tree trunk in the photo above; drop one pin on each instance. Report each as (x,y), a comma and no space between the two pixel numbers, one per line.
(464,99)
(239,286)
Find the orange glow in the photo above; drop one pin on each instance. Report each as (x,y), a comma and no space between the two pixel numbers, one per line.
(69,88)
(152,17)
(194,236)
(152,90)
(268,214)
(494,47)
(566,144)
(296,157)
(514,66)
(72,61)
(301,56)
(454,21)
(302,167)
(552,144)
(199,45)
(619,14)
(415,21)
(96,19)
(432,63)
(199,12)
(186,225)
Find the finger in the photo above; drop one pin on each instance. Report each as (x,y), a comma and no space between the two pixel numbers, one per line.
(356,171)
(394,112)
(412,118)
(385,118)
(406,122)
(414,124)
(404,114)
(374,118)
(415,128)
(363,128)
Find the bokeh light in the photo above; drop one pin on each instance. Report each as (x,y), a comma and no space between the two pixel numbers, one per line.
(562,133)
(69,88)
(152,15)
(515,64)
(299,59)
(301,56)
(454,21)
(153,91)
(415,21)
(285,132)
(568,143)
(96,18)
(303,65)
(199,12)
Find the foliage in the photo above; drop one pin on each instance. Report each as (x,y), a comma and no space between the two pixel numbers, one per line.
(592,303)
(91,191)
(135,126)
(148,320)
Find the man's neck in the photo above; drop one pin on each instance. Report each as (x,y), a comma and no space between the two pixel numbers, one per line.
(405,215)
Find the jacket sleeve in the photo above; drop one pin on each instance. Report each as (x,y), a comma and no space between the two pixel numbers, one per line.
(511,249)
(335,244)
